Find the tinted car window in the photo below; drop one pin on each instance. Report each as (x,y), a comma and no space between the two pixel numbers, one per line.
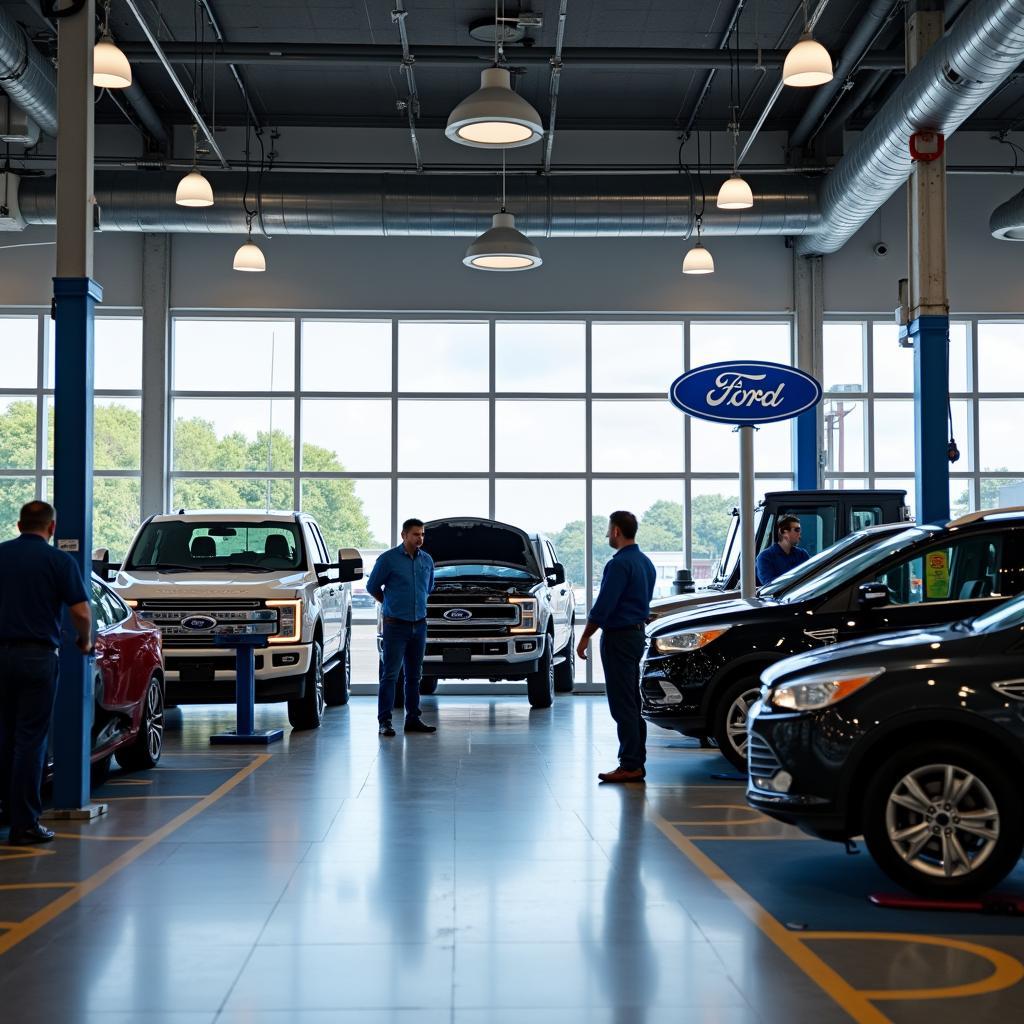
(865,515)
(810,568)
(213,545)
(1006,616)
(963,570)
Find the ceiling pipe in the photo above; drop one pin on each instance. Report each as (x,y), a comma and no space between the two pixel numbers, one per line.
(569,206)
(556,74)
(339,54)
(954,78)
(27,77)
(867,30)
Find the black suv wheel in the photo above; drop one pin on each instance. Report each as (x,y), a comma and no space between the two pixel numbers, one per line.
(943,819)
(307,711)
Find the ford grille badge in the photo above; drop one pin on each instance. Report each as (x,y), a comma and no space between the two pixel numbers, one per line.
(200,623)
(457,614)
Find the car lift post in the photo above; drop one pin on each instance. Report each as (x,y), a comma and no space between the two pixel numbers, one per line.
(245,692)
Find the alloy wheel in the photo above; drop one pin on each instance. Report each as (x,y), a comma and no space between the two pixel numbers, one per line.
(942,820)
(736,720)
(154,720)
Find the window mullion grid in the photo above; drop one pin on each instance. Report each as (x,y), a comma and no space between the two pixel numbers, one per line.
(588,466)
(492,344)
(42,433)
(869,417)
(974,384)
(394,431)
(296,413)
(687,470)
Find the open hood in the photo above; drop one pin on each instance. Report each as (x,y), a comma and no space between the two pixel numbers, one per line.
(479,542)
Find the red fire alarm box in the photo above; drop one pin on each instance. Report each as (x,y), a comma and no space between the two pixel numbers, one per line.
(927,146)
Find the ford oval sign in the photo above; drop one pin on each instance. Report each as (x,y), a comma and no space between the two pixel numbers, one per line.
(745,393)
(199,623)
(457,614)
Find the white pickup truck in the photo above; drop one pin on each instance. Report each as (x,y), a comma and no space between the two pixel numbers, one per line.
(197,574)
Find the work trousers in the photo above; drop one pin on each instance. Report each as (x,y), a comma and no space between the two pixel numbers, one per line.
(402,647)
(28,686)
(621,652)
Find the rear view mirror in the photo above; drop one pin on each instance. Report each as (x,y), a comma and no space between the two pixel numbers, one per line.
(872,595)
(350,565)
(557,574)
(102,566)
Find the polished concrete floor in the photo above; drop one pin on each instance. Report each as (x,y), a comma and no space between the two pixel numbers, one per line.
(477,875)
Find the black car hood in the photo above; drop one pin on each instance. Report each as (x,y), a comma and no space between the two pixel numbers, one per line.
(479,541)
(736,611)
(885,650)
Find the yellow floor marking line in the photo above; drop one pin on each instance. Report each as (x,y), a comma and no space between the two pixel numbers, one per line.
(40,918)
(13,886)
(130,782)
(754,839)
(99,839)
(855,1003)
(751,817)
(1007,970)
(183,796)
(14,853)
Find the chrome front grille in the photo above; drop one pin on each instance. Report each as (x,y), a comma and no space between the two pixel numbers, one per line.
(481,618)
(169,615)
(761,760)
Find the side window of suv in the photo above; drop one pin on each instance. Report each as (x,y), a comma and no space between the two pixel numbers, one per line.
(862,516)
(966,569)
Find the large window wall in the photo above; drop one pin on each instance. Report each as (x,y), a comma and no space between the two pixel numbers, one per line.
(26,422)
(869,409)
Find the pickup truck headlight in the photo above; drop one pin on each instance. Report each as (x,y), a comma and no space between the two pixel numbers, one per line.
(527,614)
(688,640)
(289,621)
(816,692)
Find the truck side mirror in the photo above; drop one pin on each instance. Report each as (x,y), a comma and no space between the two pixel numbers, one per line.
(101,563)
(557,574)
(350,565)
(872,595)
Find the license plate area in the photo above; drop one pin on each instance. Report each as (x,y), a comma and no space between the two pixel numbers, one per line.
(456,655)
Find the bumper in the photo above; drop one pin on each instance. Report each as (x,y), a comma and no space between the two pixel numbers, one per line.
(787,780)
(496,658)
(207,675)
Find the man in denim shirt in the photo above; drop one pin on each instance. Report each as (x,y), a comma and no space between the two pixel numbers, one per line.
(621,612)
(784,554)
(401,581)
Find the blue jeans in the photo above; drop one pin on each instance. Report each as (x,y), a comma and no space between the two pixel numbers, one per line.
(621,652)
(28,686)
(402,646)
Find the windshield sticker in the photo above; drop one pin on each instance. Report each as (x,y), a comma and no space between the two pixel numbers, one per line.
(936,576)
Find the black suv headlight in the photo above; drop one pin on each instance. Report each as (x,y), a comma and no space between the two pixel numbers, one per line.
(688,640)
(821,691)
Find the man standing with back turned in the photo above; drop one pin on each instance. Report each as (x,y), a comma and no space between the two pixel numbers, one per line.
(36,581)
(401,581)
(621,611)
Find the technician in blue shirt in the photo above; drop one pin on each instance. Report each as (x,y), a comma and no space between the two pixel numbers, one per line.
(36,582)
(401,580)
(784,554)
(621,612)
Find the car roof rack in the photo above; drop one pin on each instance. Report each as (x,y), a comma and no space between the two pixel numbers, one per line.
(986,513)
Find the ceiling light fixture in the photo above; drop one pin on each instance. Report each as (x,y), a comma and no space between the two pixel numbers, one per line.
(249,256)
(808,63)
(495,117)
(735,193)
(502,246)
(698,260)
(110,67)
(194,189)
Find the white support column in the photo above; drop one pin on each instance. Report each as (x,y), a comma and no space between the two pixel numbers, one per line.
(156,288)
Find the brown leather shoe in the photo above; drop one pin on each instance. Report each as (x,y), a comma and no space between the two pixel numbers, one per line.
(623,775)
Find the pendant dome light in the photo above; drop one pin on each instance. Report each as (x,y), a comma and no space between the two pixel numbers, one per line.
(735,193)
(807,64)
(698,260)
(194,189)
(110,67)
(495,117)
(502,246)
(249,257)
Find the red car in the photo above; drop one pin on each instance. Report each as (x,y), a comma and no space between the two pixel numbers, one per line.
(128,716)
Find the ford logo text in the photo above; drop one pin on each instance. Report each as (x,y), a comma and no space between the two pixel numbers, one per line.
(741,393)
(457,614)
(200,623)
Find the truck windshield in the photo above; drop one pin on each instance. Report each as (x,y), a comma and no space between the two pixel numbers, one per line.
(478,570)
(847,570)
(213,545)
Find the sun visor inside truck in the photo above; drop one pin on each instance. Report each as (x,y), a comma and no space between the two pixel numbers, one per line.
(479,541)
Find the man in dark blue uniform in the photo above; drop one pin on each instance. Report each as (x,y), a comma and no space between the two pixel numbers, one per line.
(784,554)
(36,582)
(401,581)
(621,612)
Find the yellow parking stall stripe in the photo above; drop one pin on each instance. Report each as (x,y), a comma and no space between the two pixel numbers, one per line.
(14,886)
(754,839)
(855,1003)
(42,917)
(99,839)
(1007,971)
(182,796)
(21,853)
(130,782)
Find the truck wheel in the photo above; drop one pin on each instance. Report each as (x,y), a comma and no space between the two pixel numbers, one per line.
(565,673)
(143,752)
(729,718)
(338,682)
(307,711)
(540,685)
(943,819)
(428,685)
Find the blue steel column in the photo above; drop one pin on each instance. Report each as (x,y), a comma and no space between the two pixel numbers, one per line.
(75,296)
(931,412)
(75,299)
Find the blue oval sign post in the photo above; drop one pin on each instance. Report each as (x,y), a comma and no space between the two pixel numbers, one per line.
(745,394)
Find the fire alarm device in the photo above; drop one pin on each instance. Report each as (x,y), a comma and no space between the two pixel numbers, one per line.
(927,146)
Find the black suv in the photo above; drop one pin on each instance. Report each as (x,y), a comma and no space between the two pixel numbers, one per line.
(702,670)
(915,740)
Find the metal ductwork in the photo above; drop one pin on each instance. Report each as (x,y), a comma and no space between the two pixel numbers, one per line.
(1007,221)
(570,206)
(955,77)
(26,76)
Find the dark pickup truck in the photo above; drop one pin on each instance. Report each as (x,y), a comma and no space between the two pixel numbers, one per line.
(825,516)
